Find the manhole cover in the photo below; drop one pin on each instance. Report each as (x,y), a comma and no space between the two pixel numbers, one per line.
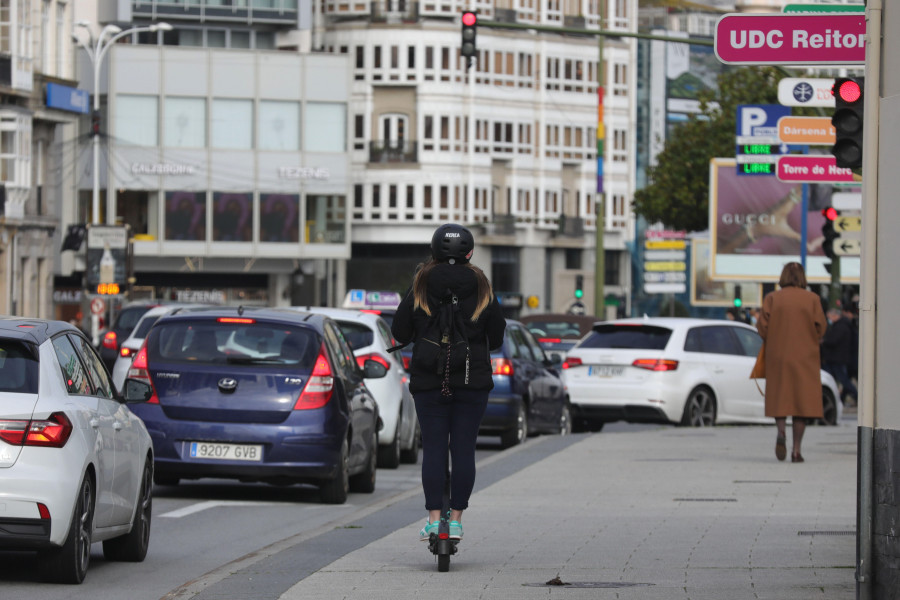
(589,584)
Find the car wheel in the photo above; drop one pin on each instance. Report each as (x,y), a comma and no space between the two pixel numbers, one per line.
(519,432)
(389,456)
(335,490)
(69,564)
(829,408)
(365,482)
(410,456)
(700,408)
(565,420)
(132,547)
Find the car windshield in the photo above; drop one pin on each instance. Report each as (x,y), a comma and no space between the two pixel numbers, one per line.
(357,334)
(129,317)
(233,343)
(18,368)
(638,337)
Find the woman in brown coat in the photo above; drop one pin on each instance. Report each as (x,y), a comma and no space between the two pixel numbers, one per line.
(792,323)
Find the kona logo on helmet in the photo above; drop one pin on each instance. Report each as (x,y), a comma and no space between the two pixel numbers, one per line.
(451,234)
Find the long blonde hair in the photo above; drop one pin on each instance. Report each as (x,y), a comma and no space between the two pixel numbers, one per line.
(420,288)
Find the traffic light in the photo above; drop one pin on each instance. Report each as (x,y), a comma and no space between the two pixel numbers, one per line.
(737,296)
(848,121)
(469,27)
(579,287)
(829,233)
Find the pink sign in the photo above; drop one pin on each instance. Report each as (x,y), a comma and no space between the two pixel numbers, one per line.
(791,39)
(799,168)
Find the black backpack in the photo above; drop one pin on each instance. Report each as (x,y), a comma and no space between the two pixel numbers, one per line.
(443,347)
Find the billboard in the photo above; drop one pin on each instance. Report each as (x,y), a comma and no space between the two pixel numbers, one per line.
(706,292)
(756,229)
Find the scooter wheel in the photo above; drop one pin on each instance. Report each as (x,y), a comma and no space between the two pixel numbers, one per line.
(443,563)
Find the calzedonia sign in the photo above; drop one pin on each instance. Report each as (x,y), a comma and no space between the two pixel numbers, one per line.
(791,39)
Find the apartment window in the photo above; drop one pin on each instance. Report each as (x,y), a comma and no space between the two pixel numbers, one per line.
(136,120)
(240,39)
(279,125)
(411,57)
(231,124)
(185,123)
(215,38)
(15,148)
(359,136)
(428,133)
(325,125)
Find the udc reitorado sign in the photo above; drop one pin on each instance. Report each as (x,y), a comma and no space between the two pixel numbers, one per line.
(791,39)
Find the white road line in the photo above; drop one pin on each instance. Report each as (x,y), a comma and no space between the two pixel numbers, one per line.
(194,508)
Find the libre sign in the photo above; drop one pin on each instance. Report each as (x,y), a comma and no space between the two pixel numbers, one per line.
(791,39)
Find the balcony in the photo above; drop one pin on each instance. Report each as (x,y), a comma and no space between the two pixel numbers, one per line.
(283,12)
(570,227)
(377,11)
(393,152)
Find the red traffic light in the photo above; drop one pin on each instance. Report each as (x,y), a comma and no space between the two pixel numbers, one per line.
(849,91)
(469,19)
(830,213)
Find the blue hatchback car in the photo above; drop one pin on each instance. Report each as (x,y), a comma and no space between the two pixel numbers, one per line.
(266,395)
(529,395)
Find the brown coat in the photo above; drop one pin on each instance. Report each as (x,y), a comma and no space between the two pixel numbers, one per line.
(792,324)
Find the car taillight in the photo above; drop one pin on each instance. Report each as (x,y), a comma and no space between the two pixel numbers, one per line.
(361,360)
(571,361)
(371,311)
(501,366)
(125,352)
(139,370)
(655,364)
(110,341)
(406,361)
(52,432)
(320,386)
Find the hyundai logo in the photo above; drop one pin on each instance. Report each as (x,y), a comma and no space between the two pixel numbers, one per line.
(228,384)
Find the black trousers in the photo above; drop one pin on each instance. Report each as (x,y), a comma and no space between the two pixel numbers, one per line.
(455,424)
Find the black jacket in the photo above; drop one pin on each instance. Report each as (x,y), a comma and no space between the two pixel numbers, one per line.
(838,343)
(483,335)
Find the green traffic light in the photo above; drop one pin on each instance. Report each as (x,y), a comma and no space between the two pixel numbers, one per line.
(737,302)
(579,294)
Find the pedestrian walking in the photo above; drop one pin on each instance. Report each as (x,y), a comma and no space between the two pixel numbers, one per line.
(792,324)
(838,350)
(450,292)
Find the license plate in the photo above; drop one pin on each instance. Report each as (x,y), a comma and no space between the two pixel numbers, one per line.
(605,371)
(210,451)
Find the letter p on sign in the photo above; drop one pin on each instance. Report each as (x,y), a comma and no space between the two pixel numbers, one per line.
(752,116)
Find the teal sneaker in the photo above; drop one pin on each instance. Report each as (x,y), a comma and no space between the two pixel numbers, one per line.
(456,532)
(425,532)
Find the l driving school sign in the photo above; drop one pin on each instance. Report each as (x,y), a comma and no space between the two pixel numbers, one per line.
(791,39)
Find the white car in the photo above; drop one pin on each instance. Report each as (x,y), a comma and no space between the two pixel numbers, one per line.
(693,372)
(76,465)
(129,347)
(370,336)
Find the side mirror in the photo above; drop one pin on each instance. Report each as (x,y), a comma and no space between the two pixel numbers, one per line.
(136,390)
(373,369)
(556,359)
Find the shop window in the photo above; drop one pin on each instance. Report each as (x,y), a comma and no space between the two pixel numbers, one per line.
(326,219)
(136,120)
(325,127)
(231,124)
(186,216)
(232,217)
(185,123)
(279,125)
(139,210)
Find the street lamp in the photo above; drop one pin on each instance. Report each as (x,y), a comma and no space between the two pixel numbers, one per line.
(96,50)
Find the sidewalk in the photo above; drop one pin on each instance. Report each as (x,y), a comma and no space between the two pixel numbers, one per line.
(670,513)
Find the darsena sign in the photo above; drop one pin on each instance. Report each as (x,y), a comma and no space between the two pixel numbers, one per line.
(791,39)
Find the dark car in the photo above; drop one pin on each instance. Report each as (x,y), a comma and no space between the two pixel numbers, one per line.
(529,395)
(557,332)
(271,395)
(124,323)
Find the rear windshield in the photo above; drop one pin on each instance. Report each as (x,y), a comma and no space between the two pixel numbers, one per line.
(356,334)
(18,368)
(144,326)
(638,337)
(129,317)
(212,342)
(553,329)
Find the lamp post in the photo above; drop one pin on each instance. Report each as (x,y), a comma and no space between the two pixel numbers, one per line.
(96,50)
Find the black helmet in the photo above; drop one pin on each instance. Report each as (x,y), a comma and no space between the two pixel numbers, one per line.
(452,242)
